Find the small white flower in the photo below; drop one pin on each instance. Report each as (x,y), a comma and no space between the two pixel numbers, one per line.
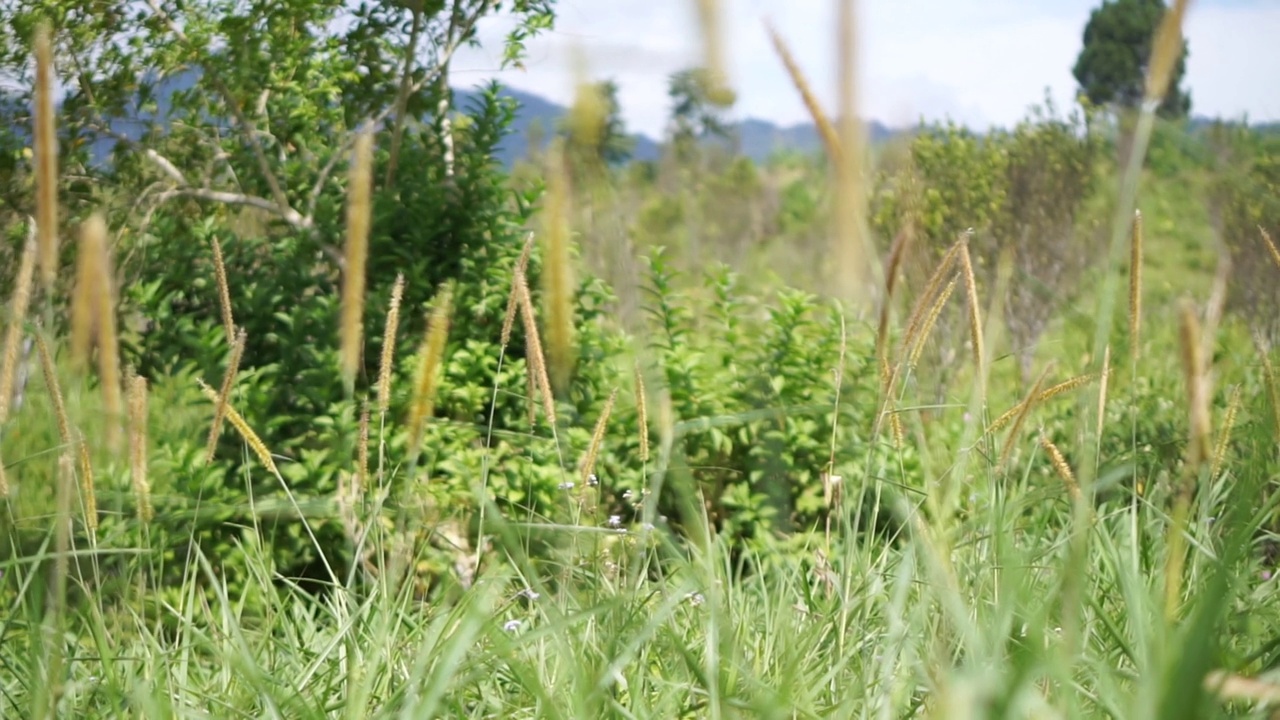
(529,594)
(615,521)
(695,598)
(647,526)
(628,495)
(566,486)
(511,625)
(592,480)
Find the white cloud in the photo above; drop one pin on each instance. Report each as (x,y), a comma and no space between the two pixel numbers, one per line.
(980,62)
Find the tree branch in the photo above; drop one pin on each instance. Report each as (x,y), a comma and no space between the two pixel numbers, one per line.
(247,127)
(402,97)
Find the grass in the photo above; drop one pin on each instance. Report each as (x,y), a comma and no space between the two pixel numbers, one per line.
(1029,570)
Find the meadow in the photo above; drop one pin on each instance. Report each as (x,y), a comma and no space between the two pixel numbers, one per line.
(989,430)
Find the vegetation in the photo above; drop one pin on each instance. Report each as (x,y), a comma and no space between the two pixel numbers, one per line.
(1112,68)
(310,409)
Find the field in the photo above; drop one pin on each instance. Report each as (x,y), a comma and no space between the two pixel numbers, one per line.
(304,419)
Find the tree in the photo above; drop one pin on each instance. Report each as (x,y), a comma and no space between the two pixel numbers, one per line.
(594,131)
(1112,64)
(698,105)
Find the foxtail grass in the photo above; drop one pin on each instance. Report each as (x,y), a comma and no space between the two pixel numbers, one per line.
(975,317)
(855,265)
(513,299)
(1135,289)
(557,282)
(258,447)
(17,322)
(1271,246)
(427,381)
(386,364)
(138,447)
(1224,432)
(224,395)
(587,468)
(642,414)
(93,320)
(930,320)
(359,216)
(46,159)
(1195,377)
(826,131)
(1020,416)
(533,352)
(1060,466)
(224,291)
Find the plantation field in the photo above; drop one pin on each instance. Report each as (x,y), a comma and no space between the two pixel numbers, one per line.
(311,409)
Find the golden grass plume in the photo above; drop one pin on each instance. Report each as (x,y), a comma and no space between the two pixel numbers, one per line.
(46,159)
(533,352)
(1060,466)
(390,329)
(224,395)
(1165,51)
(975,313)
(224,291)
(826,131)
(1135,289)
(1022,411)
(424,393)
(642,414)
(1224,432)
(587,468)
(1196,378)
(255,443)
(513,299)
(138,447)
(1271,246)
(359,214)
(557,275)
(17,321)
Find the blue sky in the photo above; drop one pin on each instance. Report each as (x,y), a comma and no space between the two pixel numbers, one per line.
(981,62)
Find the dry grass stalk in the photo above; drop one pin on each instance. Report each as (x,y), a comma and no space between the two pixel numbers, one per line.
(5,489)
(924,304)
(362,453)
(138,447)
(46,159)
(557,275)
(853,261)
(255,443)
(1020,417)
(224,291)
(588,467)
(17,321)
(533,353)
(896,252)
(1135,289)
(926,328)
(1196,378)
(642,415)
(424,393)
(1271,246)
(1165,51)
(710,20)
(392,327)
(1060,466)
(1224,433)
(975,313)
(49,370)
(513,300)
(1043,396)
(826,130)
(87,485)
(224,395)
(531,395)
(94,320)
(359,213)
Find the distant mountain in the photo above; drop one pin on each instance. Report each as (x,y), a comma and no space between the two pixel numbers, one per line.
(756,139)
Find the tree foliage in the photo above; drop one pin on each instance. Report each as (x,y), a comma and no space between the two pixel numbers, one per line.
(1112,64)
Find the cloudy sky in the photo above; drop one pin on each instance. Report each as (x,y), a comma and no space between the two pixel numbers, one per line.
(981,62)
